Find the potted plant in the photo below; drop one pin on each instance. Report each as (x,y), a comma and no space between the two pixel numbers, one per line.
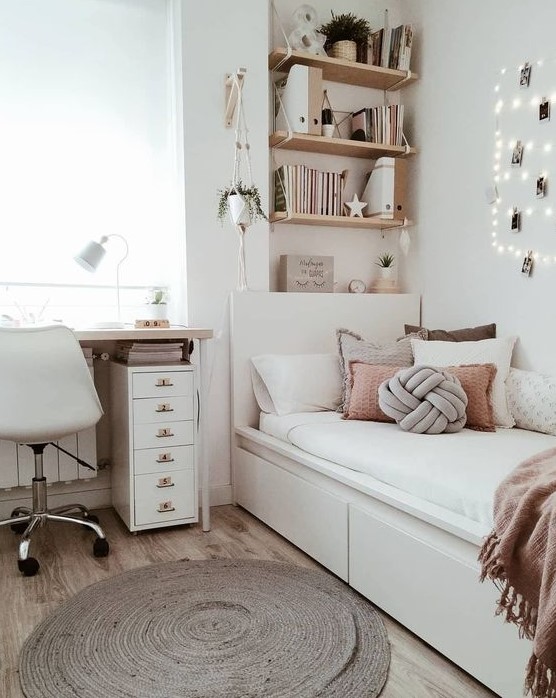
(385,262)
(242,203)
(156,303)
(343,34)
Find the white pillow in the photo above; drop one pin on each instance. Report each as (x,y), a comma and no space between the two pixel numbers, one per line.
(485,351)
(288,383)
(532,400)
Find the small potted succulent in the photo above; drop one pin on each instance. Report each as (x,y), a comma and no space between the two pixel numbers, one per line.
(344,32)
(385,262)
(242,203)
(156,303)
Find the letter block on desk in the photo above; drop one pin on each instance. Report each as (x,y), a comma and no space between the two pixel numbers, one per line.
(153,417)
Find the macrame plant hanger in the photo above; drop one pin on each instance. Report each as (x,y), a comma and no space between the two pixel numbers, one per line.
(239,208)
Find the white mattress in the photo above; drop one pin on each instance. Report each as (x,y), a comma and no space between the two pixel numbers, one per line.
(459,472)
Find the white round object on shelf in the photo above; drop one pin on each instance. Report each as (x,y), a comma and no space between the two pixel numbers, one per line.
(357,286)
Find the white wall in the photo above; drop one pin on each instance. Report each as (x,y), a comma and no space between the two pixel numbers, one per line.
(460,50)
(218,38)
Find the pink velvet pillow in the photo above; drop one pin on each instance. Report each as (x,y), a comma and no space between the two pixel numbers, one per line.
(476,380)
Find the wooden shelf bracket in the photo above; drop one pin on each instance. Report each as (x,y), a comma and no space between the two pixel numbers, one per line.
(233,85)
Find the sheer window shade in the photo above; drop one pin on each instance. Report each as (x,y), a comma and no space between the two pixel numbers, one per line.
(87,136)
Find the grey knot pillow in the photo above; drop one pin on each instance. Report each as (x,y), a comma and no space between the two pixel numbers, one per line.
(424,400)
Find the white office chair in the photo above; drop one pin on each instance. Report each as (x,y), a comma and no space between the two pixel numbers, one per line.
(46,392)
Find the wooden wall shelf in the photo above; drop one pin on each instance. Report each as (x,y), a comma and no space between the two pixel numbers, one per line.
(337,146)
(338,70)
(336,221)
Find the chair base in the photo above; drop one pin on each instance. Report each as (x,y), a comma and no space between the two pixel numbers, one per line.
(26,521)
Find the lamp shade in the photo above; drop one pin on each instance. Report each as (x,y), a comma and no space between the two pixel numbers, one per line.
(90,256)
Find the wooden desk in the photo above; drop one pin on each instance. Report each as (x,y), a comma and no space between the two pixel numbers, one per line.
(201,334)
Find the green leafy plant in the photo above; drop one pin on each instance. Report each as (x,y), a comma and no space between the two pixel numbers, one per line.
(346,27)
(251,196)
(385,261)
(157,296)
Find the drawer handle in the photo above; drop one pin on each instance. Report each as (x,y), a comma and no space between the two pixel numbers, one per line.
(164,458)
(165,407)
(165,507)
(164,383)
(163,485)
(163,433)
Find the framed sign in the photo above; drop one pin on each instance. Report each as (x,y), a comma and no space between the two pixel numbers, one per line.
(306,273)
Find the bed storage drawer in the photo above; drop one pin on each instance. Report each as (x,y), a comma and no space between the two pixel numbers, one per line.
(381,560)
(309,517)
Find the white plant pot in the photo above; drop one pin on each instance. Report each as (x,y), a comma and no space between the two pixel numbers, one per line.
(239,211)
(386,272)
(156,311)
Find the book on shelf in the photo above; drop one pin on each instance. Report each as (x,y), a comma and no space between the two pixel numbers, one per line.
(378,124)
(133,352)
(391,47)
(308,190)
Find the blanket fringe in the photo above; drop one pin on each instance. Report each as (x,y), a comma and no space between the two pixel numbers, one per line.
(512,605)
(540,681)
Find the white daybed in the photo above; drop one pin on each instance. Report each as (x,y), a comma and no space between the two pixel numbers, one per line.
(411,556)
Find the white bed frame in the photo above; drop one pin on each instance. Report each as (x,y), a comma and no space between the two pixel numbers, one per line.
(415,560)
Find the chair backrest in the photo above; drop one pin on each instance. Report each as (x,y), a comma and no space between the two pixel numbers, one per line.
(46,389)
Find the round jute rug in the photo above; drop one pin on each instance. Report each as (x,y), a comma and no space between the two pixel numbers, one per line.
(209,629)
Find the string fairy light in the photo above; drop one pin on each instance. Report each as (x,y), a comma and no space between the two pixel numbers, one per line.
(509,107)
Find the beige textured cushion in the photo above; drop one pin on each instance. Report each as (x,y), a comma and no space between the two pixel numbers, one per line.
(467,334)
(477,381)
(486,351)
(352,347)
(363,402)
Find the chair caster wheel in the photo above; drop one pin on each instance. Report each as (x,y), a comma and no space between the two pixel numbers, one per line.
(101,548)
(19,528)
(28,567)
(91,517)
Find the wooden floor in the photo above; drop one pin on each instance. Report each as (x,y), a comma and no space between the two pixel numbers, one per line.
(67,565)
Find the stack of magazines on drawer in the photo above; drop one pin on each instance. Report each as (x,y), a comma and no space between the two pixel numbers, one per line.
(132,352)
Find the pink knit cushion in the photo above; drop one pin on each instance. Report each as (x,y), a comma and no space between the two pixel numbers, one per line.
(476,380)
(363,400)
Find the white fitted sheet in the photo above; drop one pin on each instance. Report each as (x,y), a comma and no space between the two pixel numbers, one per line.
(459,472)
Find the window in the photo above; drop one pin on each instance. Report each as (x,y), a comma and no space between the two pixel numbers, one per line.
(88,134)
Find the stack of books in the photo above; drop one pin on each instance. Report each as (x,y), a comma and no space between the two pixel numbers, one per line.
(302,189)
(378,124)
(131,352)
(392,49)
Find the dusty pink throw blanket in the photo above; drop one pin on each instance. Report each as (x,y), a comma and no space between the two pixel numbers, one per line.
(520,557)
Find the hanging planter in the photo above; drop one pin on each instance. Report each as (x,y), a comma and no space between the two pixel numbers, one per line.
(242,204)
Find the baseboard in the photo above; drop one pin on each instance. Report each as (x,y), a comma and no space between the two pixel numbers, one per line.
(94,494)
(220,494)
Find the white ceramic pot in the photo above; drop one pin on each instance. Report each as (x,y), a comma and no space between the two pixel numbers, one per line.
(156,311)
(387,272)
(239,211)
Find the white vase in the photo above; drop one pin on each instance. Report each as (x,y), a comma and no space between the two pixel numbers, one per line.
(239,210)
(156,311)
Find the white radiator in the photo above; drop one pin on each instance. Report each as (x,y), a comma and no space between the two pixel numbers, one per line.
(17,462)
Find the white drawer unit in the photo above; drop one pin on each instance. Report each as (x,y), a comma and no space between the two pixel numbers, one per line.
(154,430)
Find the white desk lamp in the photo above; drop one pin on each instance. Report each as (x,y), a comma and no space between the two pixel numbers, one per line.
(90,257)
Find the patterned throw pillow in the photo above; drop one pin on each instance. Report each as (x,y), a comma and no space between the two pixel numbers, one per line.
(532,400)
(476,380)
(467,334)
(352,347)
